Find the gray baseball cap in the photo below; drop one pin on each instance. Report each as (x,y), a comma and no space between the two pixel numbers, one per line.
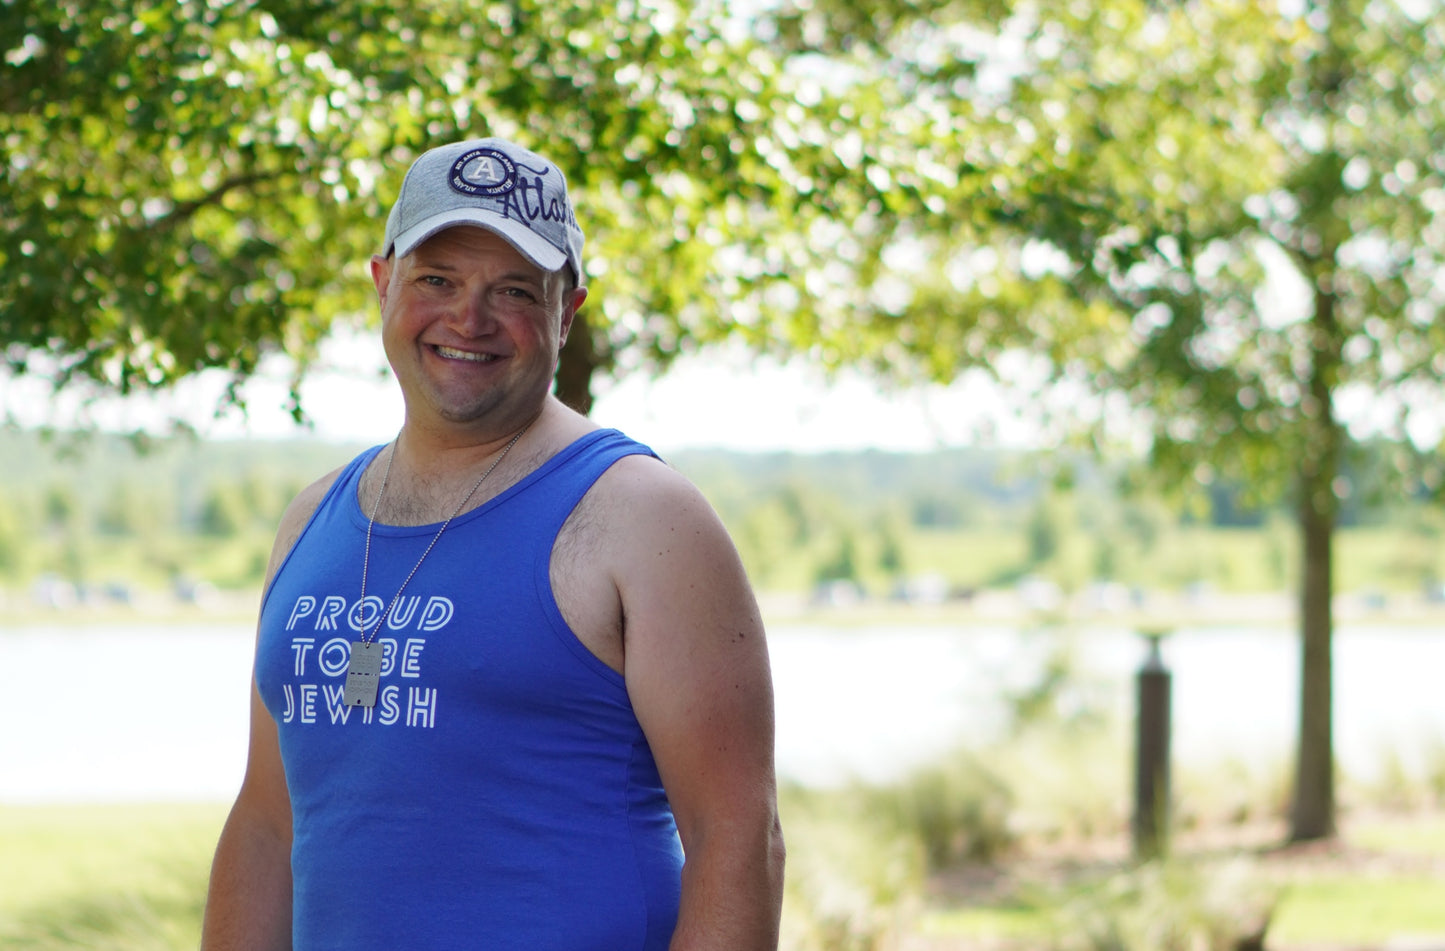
(492,184)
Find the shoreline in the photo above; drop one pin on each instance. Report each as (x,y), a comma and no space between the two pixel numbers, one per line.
(1145,613)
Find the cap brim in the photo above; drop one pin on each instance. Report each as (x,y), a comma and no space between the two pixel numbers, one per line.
(534,248)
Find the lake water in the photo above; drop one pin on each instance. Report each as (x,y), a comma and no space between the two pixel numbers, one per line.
(160,713)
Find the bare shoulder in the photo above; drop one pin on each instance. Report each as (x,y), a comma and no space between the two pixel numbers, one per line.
(668,552)
(640,502)
(641,551)
(641,475)
(642,499)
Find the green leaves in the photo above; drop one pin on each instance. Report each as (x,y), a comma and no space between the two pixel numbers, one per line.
(1211,209)
(1149,197)
(158,189)
(194,185)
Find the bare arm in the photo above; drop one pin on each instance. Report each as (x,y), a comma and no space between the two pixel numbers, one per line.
(248,905)
(249,902)
(697,671)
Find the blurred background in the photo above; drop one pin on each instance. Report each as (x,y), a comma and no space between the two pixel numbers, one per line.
(1068,375)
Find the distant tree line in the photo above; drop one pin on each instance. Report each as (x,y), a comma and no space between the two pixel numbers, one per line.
(96,509)
(876,518)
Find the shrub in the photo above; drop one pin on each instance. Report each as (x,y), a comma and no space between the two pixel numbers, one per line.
(1167,906)
(955,810)
(852,883)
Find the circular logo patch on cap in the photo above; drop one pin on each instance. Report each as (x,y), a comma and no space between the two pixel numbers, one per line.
(484,172)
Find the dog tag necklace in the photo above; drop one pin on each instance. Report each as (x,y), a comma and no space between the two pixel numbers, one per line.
(363,673)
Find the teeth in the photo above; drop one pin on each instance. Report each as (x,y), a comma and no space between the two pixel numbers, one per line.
(451,354)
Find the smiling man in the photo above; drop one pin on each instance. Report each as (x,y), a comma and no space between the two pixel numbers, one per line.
(511,685)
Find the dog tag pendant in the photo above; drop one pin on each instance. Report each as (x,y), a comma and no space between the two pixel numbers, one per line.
(363,675)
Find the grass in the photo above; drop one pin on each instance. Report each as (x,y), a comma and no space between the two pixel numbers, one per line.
(1334,909)
(1419,835)
(1015,920)
(132,878)
(1383,880)
(1359,908)
(104,877)
(968,559)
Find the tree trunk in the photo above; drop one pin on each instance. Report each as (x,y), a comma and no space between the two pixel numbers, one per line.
(579,359)
(1313,813)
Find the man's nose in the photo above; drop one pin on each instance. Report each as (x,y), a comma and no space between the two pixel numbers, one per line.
(473,316)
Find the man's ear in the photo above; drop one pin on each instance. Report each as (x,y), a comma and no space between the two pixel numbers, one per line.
(571,303)
(381,277)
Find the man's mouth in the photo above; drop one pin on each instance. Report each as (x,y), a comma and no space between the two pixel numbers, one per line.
(452,354)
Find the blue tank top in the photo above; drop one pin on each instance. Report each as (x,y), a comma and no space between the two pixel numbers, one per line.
(501,793)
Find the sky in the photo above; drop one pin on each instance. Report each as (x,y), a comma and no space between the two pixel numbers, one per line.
(723,399)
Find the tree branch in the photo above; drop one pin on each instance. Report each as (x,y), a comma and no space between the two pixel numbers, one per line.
(185,210)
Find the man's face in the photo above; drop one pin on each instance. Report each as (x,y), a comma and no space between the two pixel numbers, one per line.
(472,330)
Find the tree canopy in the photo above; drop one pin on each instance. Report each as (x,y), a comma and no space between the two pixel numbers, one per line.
(193,184)
(1158,199)
(1218,220)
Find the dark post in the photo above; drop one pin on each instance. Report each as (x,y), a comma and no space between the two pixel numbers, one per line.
(1151,766)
